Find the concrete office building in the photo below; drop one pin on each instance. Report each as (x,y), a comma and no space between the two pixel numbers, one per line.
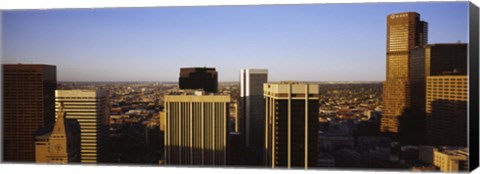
(196,78)
(291,124)
(405,31)
(196,128)
(28,104)
(90,109)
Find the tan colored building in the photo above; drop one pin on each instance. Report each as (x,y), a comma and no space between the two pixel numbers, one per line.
(451,160)
(291,124)
(28,104)
(405,31)
(42,147)
(90,109)
(446,106)
(196,128)
(59,144)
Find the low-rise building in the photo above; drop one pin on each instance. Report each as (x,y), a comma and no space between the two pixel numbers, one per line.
(451,160)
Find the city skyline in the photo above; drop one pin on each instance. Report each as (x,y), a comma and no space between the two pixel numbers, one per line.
(150,44)
(302,86)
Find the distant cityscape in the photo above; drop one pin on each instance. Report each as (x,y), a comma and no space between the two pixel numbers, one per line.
(416,120)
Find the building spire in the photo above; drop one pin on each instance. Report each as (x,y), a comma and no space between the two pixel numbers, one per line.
(59,127)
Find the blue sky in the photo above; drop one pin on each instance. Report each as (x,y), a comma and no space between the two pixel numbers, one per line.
(321,42)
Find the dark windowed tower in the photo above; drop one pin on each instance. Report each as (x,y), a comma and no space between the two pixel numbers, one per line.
(28,104)
(199,78)
(252,111)
(291,124)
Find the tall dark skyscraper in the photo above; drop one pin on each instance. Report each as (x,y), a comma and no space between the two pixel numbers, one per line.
(291,124)
(405,31)
(28,104)
(199,78)
(252,111)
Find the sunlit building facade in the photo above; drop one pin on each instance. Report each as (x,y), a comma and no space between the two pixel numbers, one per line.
(196,128)
(90,109)
(451,160)
(60,143)
(405,31)
(291,127)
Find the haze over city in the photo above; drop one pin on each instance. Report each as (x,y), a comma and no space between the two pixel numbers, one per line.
(323,42)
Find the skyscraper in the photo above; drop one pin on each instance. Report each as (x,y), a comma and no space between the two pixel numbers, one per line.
(291,124)
(405,31)
(196,128)
(90,109)
(252,111)
(28,104)
(199,78)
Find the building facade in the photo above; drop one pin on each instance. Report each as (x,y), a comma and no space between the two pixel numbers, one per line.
(60,143)
(90,109)
(199,78)
(446,107)
(405,31)
(196,129)
(252,111)
(28,104)
(291,124)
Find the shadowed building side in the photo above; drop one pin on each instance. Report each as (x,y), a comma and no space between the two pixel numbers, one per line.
(28,104)
(431,60)
(446,106)
(252,111)
(199,78)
